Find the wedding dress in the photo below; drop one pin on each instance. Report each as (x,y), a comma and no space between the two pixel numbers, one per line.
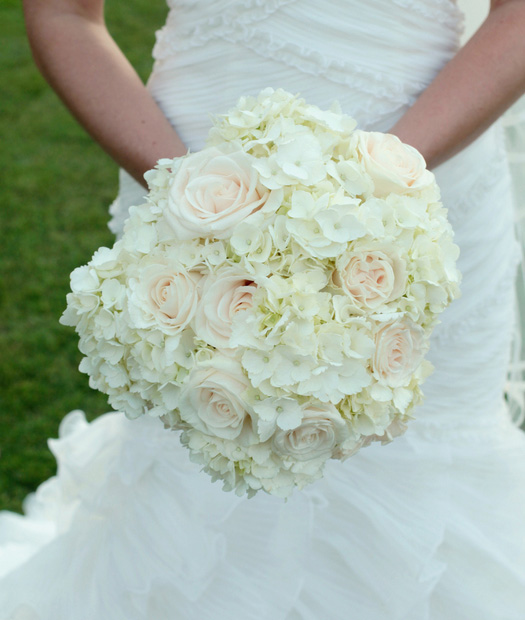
(429,527)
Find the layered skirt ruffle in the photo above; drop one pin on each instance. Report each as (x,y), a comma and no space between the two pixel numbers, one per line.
(429,527)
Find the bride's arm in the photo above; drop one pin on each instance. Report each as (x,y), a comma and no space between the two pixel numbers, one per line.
(81,61)
(473,89)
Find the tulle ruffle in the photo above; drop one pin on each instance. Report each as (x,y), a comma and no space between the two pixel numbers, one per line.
(130,529)
(445,12)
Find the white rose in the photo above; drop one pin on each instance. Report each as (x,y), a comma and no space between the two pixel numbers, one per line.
(371,277)
(212,192)
(165,297)
(320,431)
(211,400)
(394,166)
(400,347)
(223,295)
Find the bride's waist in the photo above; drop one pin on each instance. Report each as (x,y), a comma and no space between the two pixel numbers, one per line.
(462,425)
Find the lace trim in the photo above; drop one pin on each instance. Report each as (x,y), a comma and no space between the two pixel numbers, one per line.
(443,11)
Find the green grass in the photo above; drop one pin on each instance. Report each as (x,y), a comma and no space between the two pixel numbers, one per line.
(56,188)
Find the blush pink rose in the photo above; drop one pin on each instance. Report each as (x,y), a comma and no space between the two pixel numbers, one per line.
(400,347)
(371,277)
(211,400)
(164,297)
(224,294)
(320,431)
(395,167)
(212,192)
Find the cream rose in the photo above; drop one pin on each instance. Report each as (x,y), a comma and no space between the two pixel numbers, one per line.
(371,277)
(211,400)
(212,192)
(394,166)
(400,347)
(320,431)
(223,295)
(165,297)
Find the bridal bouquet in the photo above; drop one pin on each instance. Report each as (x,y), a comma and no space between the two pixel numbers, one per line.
(274,297)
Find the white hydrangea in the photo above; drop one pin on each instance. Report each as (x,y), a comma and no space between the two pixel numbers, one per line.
(294,328)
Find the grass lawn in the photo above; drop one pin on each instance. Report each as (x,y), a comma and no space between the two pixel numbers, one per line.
(56,188)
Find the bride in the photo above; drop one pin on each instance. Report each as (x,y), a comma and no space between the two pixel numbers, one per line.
(429,527)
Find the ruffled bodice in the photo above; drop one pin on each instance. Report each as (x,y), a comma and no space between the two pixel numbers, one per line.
(241,46)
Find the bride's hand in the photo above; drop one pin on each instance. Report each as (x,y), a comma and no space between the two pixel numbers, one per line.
(81,61)
(473,89)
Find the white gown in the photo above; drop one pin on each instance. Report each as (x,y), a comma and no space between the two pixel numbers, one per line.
(429,527)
